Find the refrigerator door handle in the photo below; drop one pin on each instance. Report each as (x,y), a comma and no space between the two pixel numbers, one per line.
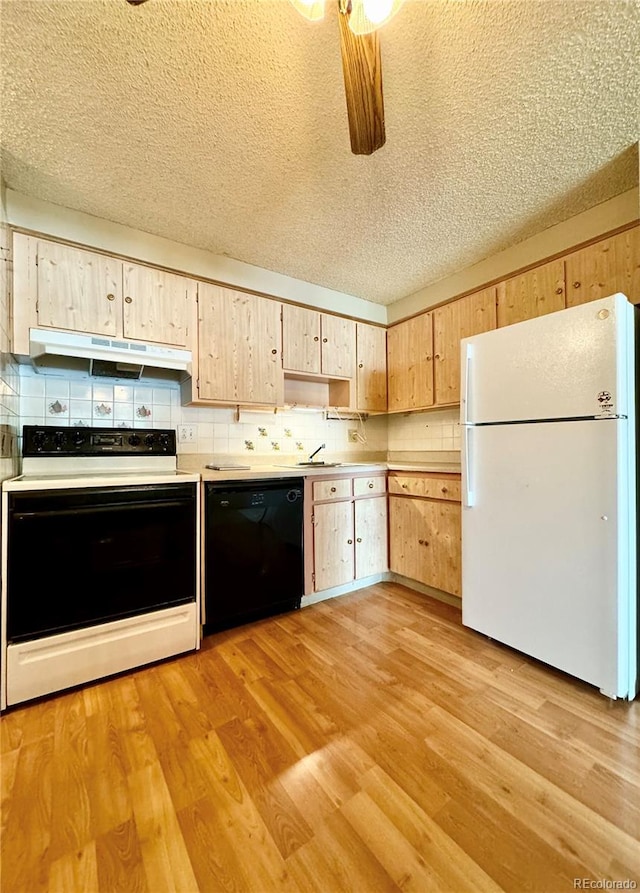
(467,490)
(467,378)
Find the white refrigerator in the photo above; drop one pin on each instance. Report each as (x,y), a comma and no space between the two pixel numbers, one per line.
(549,490)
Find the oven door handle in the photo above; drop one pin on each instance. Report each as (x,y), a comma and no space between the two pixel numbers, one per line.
(100,509)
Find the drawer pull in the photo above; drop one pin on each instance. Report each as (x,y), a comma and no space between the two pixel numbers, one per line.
(350,542)
(559,291)
(333,490)
(444,490)
(405,486)
(111,297)
(324,340)
(316,338)
(576,285)
(359,539)
(421,542)
(371,485)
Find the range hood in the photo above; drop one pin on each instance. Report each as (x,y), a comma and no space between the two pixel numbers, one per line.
(106,356)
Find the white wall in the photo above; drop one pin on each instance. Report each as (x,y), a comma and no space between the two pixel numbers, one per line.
(53,220)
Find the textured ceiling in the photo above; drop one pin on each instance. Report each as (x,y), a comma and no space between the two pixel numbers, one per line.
(223,125)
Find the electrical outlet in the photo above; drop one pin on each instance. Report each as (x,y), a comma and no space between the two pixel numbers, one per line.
(353,435)
(186,433)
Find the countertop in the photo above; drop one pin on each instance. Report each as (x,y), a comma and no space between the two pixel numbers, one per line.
(445,463)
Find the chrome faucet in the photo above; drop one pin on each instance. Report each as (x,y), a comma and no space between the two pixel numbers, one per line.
(321,447)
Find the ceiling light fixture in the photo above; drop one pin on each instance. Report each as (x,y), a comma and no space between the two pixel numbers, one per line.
(359,21)
(364,16)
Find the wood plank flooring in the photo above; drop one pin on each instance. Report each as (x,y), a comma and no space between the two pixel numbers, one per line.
(366,744)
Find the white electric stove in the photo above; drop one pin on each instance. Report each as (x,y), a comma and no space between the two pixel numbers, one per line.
(100,558)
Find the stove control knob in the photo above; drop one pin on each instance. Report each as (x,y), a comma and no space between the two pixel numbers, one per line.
(78,438)
(39,439)
(59,439)
(148,441)
(164,442)
(134,440)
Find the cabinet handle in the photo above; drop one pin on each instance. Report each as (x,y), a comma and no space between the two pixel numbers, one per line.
(333,490)
(128,300)
(559,291)
(350,542)
(405,486)
(444,490)
(426,542)
(371,485)
(421,542)
(437,356)
(360,365)
(111,297)
(274,351)
(359,539)
(576,285)
(324,340)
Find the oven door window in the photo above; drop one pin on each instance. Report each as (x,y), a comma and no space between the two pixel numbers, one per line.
(81,557)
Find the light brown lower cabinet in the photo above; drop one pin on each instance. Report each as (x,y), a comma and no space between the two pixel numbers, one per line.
(425,530)
(350,533)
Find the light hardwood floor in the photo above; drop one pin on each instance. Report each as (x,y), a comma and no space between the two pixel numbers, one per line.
(369,743)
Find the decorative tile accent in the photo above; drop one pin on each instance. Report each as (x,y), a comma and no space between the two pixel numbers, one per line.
(56,408)
(78,423)
(287,432)
(143,412)
(103,410)
(299,446)
(275,445)
(262,432)
(248,445)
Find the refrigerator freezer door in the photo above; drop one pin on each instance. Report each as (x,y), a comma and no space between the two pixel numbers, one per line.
(573,363)
(548,555)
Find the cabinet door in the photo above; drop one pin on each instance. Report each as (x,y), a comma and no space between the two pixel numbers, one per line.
(425,542)
(333,548)
(300,339)
(460,319)
(534,293)
(157,305)
(338,346)
(410,363)
(239,347)
(371,374)
(600,270)
(371,536)
(78,290)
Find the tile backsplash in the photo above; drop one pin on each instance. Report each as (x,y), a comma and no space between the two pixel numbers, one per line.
(434,430)
(78,399)
(74,399)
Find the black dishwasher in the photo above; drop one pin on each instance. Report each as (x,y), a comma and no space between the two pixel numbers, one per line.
(253,550)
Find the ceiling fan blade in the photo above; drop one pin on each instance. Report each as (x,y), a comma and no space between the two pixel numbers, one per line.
(362,71)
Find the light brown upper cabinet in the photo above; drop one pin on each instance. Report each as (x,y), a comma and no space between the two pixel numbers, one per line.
(239,348)
(467,316)
(371,373)
(410,364)
(62,287)
(604,268)
(534,293)
(317,343)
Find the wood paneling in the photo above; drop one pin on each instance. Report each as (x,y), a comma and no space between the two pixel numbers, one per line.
(435,486)
(338,346)
(371,373)
(534,293)
(410,363)
(340,488)
(333,550)
(239,347)
(371,536)
(460,319)
(78,290)
(300,339)
(369,742)
(604,268)
(157,305)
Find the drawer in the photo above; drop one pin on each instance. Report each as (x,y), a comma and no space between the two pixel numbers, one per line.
(370,486)
(448,488)
(336,489)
